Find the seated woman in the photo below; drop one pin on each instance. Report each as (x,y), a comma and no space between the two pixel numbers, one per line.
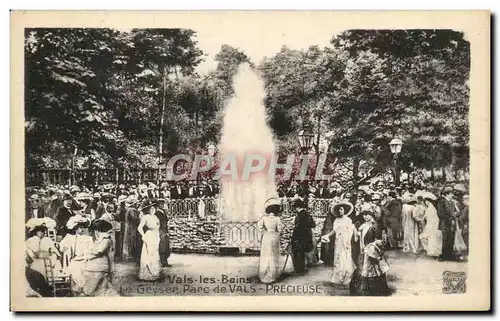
(41,250)
(97,274)
(75,246)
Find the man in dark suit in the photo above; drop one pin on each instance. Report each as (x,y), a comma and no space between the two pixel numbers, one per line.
(164,247)
(392,212)
(63,215)
(177,191)
(321,192)
(447,214)
(302,241)
(34,209)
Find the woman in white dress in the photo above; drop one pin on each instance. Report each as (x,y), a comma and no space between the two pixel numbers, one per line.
(75,246)
(410,226)
(270,226)
(42,250)
(345,232)
(150,266)
(431,236)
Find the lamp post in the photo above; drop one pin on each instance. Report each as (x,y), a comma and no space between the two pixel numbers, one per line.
(306,137)
(396,144)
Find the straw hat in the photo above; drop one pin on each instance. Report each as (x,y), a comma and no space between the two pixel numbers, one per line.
(429,196)
(122,198)
(409,198)
(366,208)
(147,204)
(446,190)
(101,225)
(76,220)
(271,202)
(348,207)
(131,200)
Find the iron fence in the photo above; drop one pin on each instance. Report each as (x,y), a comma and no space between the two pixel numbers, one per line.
(197,225)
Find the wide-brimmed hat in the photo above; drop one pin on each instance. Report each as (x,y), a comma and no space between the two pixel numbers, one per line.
(35,224)
(459,187)
(100,225)
(409,198)
(429,196)
(348,207)
(366,209)
(446,190)
(131,200)
(83,196)
(122,198)
(271,202)
(77,220)
(74,189)
(299,203)
(147,204)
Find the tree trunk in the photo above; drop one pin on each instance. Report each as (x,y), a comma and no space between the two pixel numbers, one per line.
(433,175)
(443,171)
(73,160)
(355,172)
(162,121)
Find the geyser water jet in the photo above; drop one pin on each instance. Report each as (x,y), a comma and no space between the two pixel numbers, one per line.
(245,131)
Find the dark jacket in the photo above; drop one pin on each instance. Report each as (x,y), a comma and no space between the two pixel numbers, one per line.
(322,192)
(31,214)
(174,193)
(392,215)
(62,218)
(447,214)
(302,234)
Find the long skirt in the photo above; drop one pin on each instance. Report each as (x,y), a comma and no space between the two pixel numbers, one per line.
(373,286)
(76,269)
(343,265)
(269,267)
(150,267)
(98,284)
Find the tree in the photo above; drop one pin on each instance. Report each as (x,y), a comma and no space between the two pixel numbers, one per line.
(68,102)
(159,53)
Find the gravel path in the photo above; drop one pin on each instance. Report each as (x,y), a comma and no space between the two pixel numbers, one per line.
(193,274)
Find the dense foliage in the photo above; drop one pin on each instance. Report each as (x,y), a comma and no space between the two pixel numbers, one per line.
(103,97)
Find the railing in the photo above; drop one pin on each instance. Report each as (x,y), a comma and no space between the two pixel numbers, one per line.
(196,225)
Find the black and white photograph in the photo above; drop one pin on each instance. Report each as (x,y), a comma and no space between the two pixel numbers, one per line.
(163,162)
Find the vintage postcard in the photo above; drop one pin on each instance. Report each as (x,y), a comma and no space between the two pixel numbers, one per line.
(250,161)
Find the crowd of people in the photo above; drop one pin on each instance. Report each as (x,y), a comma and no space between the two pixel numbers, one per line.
(354,237)
(82,232)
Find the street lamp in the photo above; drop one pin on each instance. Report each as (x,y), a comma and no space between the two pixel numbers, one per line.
(395,145)
(306,137)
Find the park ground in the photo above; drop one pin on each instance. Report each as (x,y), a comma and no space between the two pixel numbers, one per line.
(194,274)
